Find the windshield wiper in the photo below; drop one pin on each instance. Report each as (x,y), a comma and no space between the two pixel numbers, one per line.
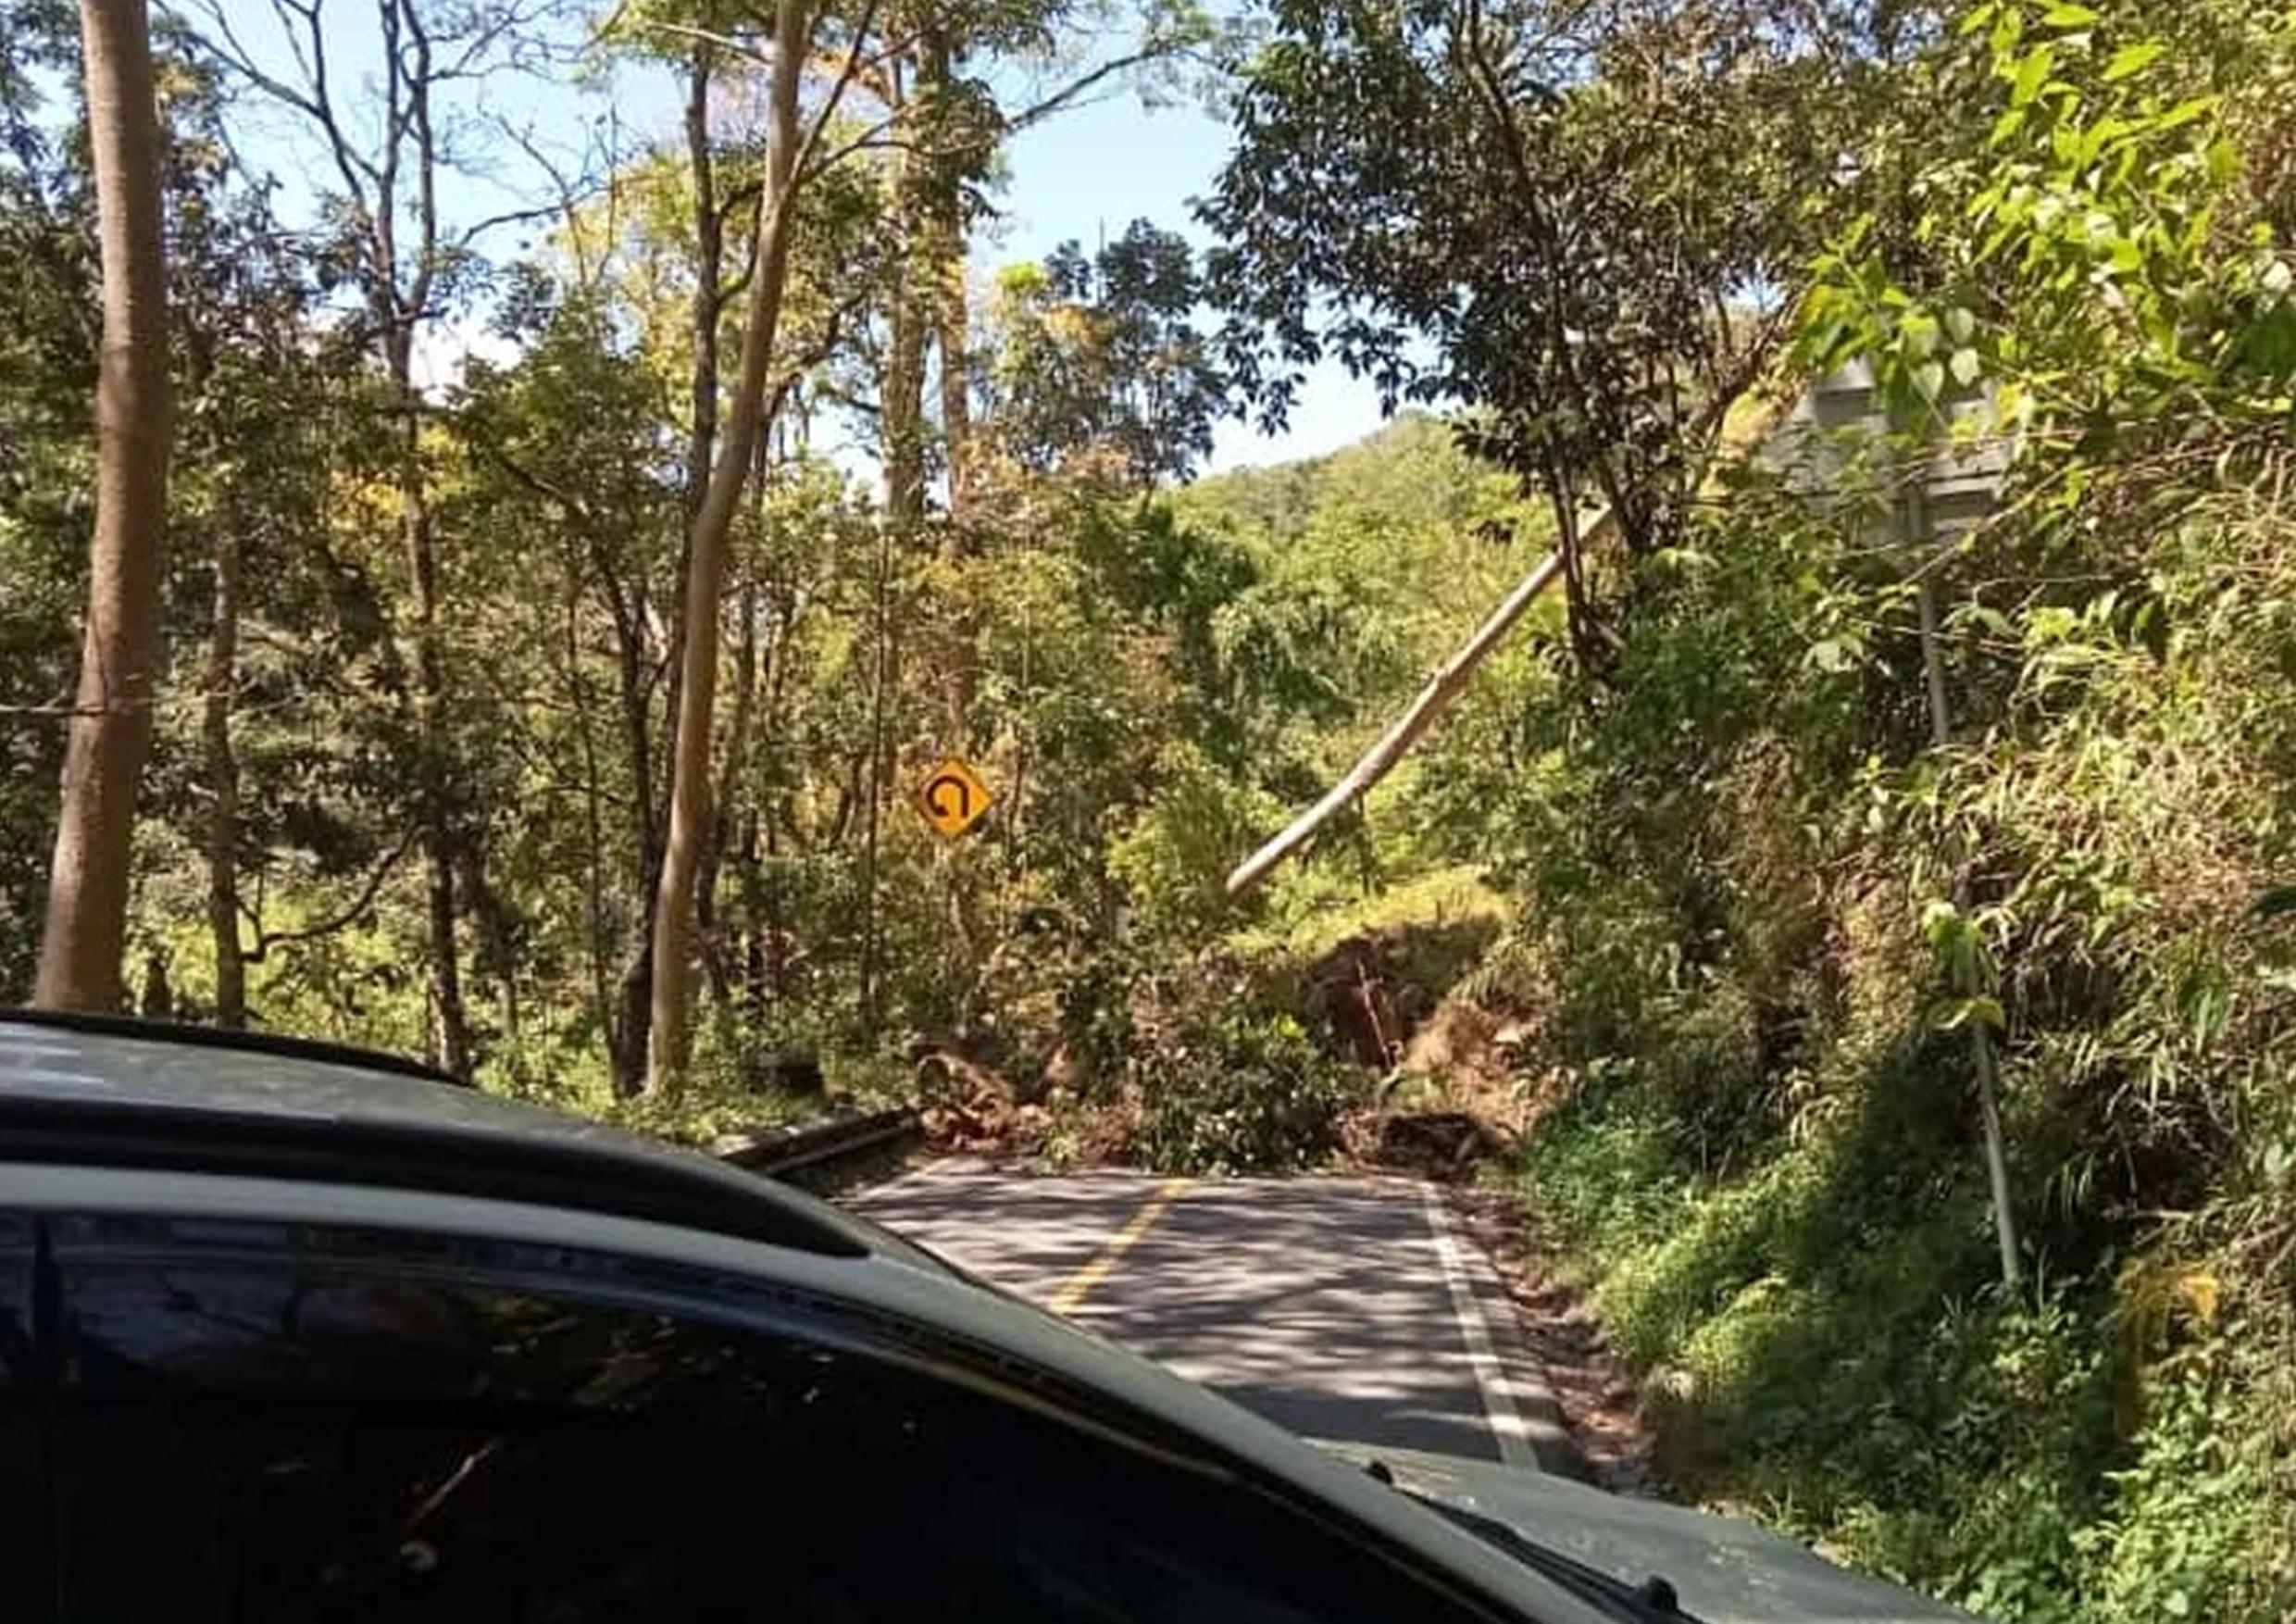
(1652,1602)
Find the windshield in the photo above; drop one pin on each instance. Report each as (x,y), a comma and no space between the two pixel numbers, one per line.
(1553,730)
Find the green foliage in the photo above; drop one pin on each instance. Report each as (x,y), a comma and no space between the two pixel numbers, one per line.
(1766,903)
(1174,860)
(2196,1526)
(1240,1091)
(1539,212)
(1098,359)
(1751,907)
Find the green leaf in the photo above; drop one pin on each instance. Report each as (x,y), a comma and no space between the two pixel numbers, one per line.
(1988,616)
(1956,1013)
(1928,380)
(2064,14)
(1960,324)
(2032,74)
(1966,367)
(2131,60)
(1833,655)
(2184,113)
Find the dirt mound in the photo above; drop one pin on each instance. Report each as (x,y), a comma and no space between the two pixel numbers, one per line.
(1378,989)
(966,1105)
(1466,1042)
(1442,1145)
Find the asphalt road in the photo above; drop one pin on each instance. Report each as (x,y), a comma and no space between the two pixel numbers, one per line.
(1342,1308)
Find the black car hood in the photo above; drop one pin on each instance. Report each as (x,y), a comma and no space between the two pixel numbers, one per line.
(1724,1571)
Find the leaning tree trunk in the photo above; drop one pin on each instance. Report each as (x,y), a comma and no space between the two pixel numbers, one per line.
(690,774)
(111,724)
(1448,682)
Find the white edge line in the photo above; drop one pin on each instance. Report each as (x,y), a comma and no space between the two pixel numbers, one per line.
(1482,1355)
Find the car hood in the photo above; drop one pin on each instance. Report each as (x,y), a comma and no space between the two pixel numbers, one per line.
(1722,1571)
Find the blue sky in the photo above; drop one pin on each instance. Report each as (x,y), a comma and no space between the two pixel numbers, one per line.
(1085,173)
(1097,169)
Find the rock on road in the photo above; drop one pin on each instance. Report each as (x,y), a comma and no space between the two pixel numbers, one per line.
(1340,1308)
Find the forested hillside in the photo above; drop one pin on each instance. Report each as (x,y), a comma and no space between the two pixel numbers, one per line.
(1879,848)
(1851,850)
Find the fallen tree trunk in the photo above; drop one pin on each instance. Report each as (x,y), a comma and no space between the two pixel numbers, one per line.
(1440,690)
(1445,684)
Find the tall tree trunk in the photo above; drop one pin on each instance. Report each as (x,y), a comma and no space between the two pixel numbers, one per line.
(872,784)
(111,725)
(634,1030)
(903,384)
(731,778)
(634,1010)
(432,786)
(952,337)
(593,800)
(231,961)
(903,426)
(709,257)
(944,257)
(690,774)
(939,255)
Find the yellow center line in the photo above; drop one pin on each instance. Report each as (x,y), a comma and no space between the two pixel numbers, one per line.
(1070,1297)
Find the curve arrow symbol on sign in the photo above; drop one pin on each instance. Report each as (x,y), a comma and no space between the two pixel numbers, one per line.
(953,799)
(938,793)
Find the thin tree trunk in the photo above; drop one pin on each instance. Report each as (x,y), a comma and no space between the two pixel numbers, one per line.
(945,253)
(593,814)
(903,419)
(731,778)
(633,1029)
(231,962)
(903,384)
(767,819)
(706,315)
(939,225)
(431,781)
(873,783)
(1562,502)
(952,335)
(111,727)
(710,256)
(689,775)
(632,1019)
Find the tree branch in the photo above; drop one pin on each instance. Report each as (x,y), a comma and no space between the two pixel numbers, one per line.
(1069,94)
(827,110)
(267,940)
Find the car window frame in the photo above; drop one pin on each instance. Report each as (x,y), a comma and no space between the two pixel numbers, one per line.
(892,1310)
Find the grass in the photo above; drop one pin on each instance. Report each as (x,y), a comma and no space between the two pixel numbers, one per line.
(1830,1353)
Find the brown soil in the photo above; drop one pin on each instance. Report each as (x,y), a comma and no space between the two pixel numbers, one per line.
(1600,1402)
(1378,989)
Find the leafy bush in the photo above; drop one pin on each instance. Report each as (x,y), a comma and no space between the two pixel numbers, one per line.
(1245,1093)
(1175,857)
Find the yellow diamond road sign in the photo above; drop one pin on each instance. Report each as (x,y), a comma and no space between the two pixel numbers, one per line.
(953,799)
